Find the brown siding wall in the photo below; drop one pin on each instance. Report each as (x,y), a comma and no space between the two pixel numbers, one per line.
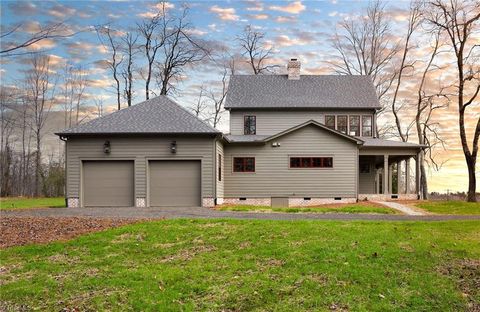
(273,177)
(139,149)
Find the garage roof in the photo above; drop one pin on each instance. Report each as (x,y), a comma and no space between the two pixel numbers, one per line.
(154,116)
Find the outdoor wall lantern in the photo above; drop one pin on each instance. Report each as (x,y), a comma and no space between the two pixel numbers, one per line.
(106,147)
(173,147)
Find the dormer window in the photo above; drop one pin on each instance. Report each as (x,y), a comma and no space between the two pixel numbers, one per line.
(249,125)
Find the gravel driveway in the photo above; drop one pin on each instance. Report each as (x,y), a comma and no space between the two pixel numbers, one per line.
(197,212)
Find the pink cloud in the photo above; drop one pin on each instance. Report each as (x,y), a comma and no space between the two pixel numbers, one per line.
(225,14)
(292,8)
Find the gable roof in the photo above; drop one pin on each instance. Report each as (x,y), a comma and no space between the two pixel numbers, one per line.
(154,116)
(310,91)
(315,123)
(266,138)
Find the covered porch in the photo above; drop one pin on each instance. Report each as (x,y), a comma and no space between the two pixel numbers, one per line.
(389,170)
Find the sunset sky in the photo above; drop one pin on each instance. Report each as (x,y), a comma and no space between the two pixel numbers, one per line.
(301,29)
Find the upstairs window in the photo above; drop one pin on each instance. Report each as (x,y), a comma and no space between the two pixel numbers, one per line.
(354,125)
(342,123)
(311,162)
(249,125)
(244,164)
(330,121)
(367,126)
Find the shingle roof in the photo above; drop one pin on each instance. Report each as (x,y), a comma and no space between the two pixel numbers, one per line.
(375,142)
(311,91)
(157,115)
(245,138)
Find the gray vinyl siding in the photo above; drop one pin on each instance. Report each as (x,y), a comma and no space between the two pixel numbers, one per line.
(274,178)
(271,122)
(140,150)
(220,184)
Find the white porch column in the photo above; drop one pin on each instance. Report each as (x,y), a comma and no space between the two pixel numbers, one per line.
(390,179)
(407,176)
(417,173)
(399,177)
(385,174)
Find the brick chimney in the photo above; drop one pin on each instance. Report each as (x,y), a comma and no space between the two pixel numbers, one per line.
(293,69)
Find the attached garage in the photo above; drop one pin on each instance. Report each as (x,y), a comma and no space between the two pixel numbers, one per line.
(174,183)
(108,183)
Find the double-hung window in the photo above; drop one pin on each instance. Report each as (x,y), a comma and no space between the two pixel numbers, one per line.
(249,125)
(367,126)
(342,123)
(330,121)
(354,125)
(244,164)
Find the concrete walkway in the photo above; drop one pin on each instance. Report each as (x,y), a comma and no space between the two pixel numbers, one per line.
(202,213)
(402,208)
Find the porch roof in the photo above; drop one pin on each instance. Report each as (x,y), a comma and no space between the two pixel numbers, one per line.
(381,143)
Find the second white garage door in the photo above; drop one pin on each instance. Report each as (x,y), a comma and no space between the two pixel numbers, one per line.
(174,183)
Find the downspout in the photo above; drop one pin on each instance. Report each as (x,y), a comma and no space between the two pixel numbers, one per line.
(64,139)
(215,170)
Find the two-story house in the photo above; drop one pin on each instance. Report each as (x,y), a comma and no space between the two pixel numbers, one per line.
(295,140)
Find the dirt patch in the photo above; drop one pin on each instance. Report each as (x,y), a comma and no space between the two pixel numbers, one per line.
(188,254)
(17,231)
(467,275)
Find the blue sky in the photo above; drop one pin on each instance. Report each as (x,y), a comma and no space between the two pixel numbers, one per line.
(296,29)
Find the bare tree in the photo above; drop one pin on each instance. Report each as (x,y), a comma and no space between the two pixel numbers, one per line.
(217,98)
(200,106)
(426,105)
(7,123)
(129,50)
(75,81)
(364,47)
(414,20)
(99,106)
(255,49)
(154,33)
(40,94)
(458,20)
(105,33)
(180,51)
(11,46)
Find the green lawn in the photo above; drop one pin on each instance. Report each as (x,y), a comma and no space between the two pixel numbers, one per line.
(451,207)
(354,208)
(240,265)
(25,202)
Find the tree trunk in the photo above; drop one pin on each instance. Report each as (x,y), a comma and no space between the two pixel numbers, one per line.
(472,180)
(37,166)
(423,179)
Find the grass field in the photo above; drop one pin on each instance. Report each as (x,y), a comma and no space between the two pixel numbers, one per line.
(25,202)
(450,207)
(353,208)
(185,265)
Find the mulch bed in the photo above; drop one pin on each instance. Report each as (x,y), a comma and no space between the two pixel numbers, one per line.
(17,231)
